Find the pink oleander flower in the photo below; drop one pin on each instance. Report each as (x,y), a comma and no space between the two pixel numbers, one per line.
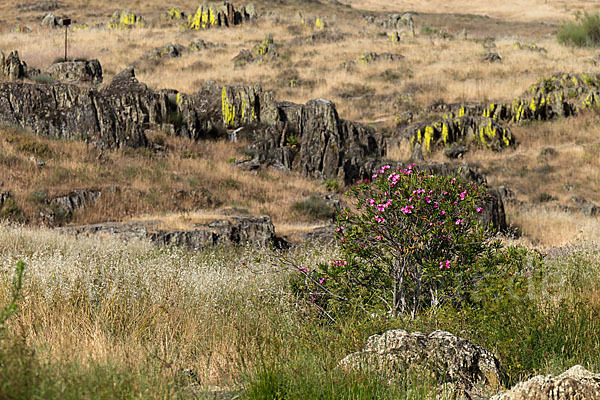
(407,209)
(479,209)
(459,221)
(378,237)
(340,229)
(443,212)
(340,263)
(445,264)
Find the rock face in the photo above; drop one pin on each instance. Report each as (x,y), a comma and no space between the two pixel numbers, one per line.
(263,51)
(449,358)
(562,95)
(576,383)
(317,143)
(309,138)
(76,71)
(126,20)
(368,57)
(76,199)
(11,66)
(220,16)
(404,23)
(236,230)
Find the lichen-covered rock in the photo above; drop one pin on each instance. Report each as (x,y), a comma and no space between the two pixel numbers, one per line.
(576,383)
(442,355)
(76,71)
(174,14)
(561,95)
(368,57)
(126,20)
(247,105)
(207,16)
(200,44)
(263,51)
(485,131)
(530,46)
(11,66)
(114,117)
(309,138)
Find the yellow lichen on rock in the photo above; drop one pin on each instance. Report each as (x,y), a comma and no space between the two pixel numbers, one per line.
(126,20)
(227,109)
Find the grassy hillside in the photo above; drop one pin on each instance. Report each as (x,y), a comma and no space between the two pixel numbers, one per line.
(101,318)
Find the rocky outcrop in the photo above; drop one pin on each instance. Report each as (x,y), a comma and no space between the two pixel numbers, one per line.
(126,19)
(369,57)
(4,197)
(235,230)
(11,66)
(530,47)
(404,23)
(263,51)
(585,206)
(576,383)
(472,370)
(79,71)
(74,200)
(562,95)
(309,138)
(463,129)
(113,117)
(226,15)
(491,57)
(313,140)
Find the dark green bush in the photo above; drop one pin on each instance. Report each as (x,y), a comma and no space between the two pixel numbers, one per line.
(585,32)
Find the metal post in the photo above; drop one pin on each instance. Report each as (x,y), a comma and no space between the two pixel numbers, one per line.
(66,42)
(66,22)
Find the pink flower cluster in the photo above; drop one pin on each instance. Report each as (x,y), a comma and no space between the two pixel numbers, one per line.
(463,195)
(340,229)
(379,219)
(381,207)
(445,264)
(407,209)
(340,263)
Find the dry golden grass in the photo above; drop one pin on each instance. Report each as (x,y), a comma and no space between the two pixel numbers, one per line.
(546,227)
(528,10)
(433,69)
(189,177)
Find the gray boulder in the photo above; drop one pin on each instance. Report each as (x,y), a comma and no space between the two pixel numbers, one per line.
(235,230)
(472,370)
(81,71)
(576,383)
